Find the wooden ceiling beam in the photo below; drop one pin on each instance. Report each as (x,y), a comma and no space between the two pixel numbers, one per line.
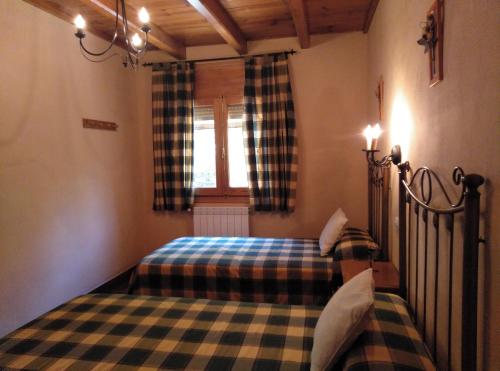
(156,36)
(222,22)
(299,15)
(369,15)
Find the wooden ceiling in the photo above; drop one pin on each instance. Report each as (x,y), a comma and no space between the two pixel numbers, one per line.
(179,23)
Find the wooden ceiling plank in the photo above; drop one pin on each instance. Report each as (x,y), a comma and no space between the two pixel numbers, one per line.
(157,36)
(222,22)
(369,15)
(58,11)
(298,10)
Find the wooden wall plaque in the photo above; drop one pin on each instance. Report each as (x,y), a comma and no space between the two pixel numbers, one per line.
(99,124)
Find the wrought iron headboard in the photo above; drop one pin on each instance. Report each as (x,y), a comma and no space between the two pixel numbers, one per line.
(416,201)
(379,180)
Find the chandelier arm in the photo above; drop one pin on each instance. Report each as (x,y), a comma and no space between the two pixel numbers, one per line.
(137,52)
(132,53)
(97,60)
(104,51)
(113,40)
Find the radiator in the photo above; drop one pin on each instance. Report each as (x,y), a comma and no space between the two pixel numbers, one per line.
(221,221)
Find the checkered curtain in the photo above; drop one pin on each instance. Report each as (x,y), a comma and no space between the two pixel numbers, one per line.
(173,86)
(270,143)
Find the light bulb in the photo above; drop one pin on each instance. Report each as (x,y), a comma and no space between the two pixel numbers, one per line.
(79,22)
(376,131)
(136,40)
(368,136)
(144,16)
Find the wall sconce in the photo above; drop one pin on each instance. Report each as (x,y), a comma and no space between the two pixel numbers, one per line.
(432,41)
(384,162)
(371,135)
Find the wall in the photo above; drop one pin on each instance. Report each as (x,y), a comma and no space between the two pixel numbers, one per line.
(67,209)
(329,87)
(454,123)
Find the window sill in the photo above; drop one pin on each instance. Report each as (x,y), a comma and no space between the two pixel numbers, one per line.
(243,199)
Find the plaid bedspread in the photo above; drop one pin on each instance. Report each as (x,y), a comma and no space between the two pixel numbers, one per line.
(272,270)
(391,341)
(354,244)
(127,332)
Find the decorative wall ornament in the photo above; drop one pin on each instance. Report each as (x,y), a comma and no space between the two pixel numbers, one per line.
(379,93)
(99,124)
(432,40)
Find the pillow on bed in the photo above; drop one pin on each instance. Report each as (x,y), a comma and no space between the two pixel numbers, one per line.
(332,231)
(343,319)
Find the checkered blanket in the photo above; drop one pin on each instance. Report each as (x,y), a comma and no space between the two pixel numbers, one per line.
(127,332)
(354,244)
(390,342)
(272,270)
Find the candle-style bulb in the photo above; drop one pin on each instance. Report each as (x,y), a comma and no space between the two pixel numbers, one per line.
(368,134)
(79,22)
(144,16)
(136,40)
(376,131)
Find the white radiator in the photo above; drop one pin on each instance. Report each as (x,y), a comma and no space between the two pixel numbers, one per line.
(221,221)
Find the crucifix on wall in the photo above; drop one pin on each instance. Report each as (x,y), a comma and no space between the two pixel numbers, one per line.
(379,93)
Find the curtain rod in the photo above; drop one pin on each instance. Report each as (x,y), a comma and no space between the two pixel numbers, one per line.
(286,52)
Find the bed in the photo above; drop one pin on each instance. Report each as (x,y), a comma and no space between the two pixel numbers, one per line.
(272,270)
(128,332)
(269,270)
(261,270)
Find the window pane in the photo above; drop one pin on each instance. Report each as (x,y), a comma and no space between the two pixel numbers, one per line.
(236,149)
(204,148)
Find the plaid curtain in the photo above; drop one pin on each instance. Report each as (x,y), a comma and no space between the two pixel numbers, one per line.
(270,143)
(173,86)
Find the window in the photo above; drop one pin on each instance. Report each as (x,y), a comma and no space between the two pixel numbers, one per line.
(220,170)
(219,156)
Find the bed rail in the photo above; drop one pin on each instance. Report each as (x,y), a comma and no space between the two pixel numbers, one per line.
(418,215)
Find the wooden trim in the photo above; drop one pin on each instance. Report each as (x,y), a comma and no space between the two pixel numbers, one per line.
(219,145)
(222,192)
(299,15)
(223,199)
(99,124)
(156,37)
(369,15)
(222,22)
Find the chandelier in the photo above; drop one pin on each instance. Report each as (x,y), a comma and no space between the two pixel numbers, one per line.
(135,46)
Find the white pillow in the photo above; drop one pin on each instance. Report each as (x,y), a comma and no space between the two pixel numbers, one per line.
(342,320)
(331,231)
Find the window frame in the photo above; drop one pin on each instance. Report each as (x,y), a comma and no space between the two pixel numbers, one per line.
(223,192)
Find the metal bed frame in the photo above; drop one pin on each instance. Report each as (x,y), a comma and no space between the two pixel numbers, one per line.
(379,179)
(417,216)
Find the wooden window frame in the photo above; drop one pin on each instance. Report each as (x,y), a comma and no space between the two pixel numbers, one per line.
(223,192)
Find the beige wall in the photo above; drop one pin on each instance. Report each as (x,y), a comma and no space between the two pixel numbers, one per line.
(67,208)
(453,123)
(329,87)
